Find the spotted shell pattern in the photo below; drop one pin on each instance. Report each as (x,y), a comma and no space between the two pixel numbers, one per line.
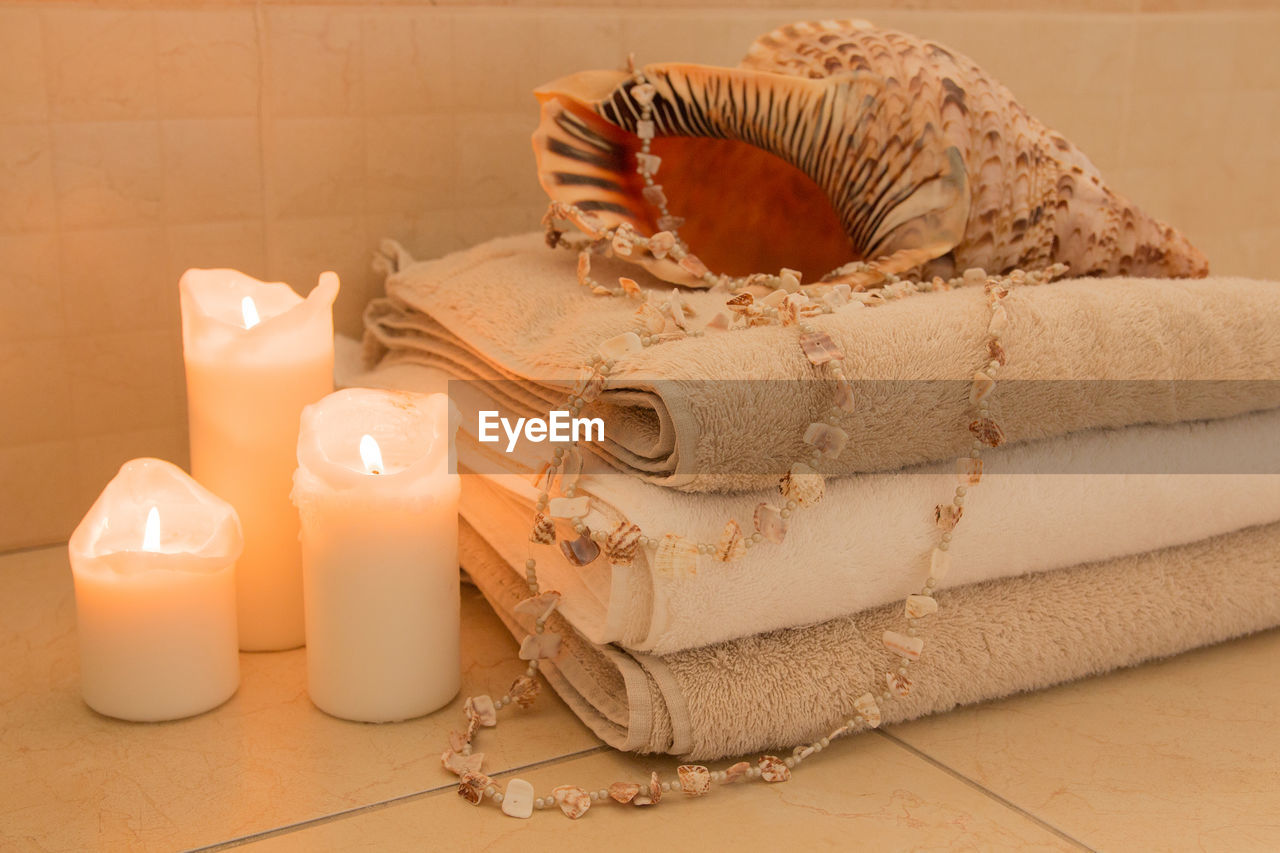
(929,165)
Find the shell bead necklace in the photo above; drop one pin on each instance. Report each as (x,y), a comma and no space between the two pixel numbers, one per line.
(802,486)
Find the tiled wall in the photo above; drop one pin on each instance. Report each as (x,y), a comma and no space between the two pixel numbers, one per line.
(139,139)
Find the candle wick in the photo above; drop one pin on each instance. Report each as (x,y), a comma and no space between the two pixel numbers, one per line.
(250,312)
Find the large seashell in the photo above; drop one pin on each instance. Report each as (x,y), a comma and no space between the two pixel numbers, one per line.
(572,800)
(695,780)
(732,545)
(735,772)
(580,551)
(925,165)
(827,439)
(867,708)
(517,800)
(819,348)
(770,524)
(544,530)
(803,485)
(987,431)
(919,606)
(774,769)
(481,710)
(676,557)
(620,545)
(540,646)
(903,645)
(569,507)
(624,792)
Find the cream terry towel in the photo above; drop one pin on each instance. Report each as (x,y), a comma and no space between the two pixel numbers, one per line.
(1082,353)
(988,640)
(1042,506)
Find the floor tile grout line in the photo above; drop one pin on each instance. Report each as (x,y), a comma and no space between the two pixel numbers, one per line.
(987,792)
(27,549)
(400,799)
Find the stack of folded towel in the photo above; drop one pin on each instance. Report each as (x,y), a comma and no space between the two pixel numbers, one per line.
(1134,511)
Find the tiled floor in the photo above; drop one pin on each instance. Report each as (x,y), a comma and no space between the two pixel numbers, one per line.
(1178,755)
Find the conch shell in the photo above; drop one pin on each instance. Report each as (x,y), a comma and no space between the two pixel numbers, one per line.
(836,142)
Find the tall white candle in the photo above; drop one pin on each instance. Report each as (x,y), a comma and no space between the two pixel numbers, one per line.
(380,553)
(154,570)
(256,354)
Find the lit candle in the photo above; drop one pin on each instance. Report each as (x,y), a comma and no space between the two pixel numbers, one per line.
(154,570)
(256,354)
(379,510)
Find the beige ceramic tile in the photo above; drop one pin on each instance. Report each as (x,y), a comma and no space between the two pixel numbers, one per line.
(495,60)
(35,508)
(212,169)
(30,291)
(37,392)
(315,166)
(234,245)
(74,780)
(693,35)
(127,381)
(1182,754)
(207,63)
(425,235)
(107,173)
(101,64)
(408,61)
(313,61)
(570,41)
(26,178)
(22,90)
(865,795)
(99,457)
(493,155)
(298,250)
(410,164)
(484,223)
(114,281)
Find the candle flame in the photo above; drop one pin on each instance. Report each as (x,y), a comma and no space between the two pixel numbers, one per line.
(250,312)
(370,454)
(151,533)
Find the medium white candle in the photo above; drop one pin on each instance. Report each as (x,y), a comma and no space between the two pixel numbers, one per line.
(154,570)
(379,511)
(256,354)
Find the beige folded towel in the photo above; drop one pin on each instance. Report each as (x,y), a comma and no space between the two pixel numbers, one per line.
(511,309)
(987,640)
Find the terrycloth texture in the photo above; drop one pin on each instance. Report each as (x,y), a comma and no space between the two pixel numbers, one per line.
(867,542)
(511,309)
(988,640)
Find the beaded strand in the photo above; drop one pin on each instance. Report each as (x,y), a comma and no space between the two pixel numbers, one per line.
(802,486)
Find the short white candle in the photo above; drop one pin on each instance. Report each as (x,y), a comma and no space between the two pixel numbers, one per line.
(380,553)
(154,570)
(255,354)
